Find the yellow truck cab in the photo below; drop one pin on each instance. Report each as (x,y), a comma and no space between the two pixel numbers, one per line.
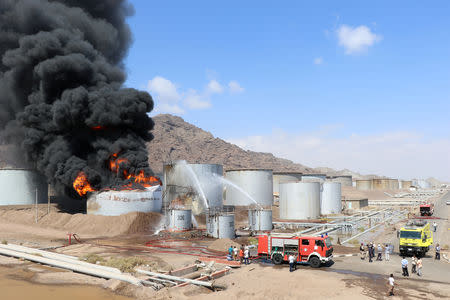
(415,238)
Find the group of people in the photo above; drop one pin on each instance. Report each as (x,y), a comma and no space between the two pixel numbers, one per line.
(369,250)
(242,254)
(416,266)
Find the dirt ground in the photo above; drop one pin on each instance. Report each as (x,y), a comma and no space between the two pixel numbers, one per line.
(348,278)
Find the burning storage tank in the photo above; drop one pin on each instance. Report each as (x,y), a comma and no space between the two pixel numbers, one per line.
(220,226)
(314,177)
(180,219)
(256,184)
(115,203)
(282,177)
(299,200)
(331,197)
(364,184)
(260,219)
(192,185)
(345,180)
(22,187)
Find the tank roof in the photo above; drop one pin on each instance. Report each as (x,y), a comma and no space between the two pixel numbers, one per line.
(249,169)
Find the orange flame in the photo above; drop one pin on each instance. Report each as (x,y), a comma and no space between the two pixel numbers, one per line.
(97,128)
(81,184)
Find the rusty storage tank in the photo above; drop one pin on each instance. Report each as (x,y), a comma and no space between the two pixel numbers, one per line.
(180,219)
(198,185)
(249,187)
(405,184)
(116,203)
(220,226)
(260,219)
(364,184)
(331,198)
(22,187)
(282,177)
(314,177)
(393,184)
(299,200)
(381,184)
(344,180)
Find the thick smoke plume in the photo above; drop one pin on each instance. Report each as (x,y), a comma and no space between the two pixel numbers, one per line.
(61,94)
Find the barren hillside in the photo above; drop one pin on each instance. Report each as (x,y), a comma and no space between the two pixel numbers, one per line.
(183,140)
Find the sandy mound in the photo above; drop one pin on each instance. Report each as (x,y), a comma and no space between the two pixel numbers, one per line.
(223,245)
(91,225)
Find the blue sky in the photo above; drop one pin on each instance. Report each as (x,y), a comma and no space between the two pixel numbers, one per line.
(356,85)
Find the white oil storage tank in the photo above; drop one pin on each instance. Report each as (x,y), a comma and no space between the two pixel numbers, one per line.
(314,177)
(260,219)
(115,203)
(180,219)
(282,177)
(330,202)
(22,187)
(249,187)
(220,226)
(196,186)
(299,200)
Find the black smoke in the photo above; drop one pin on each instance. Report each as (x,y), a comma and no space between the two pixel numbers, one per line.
(61,89)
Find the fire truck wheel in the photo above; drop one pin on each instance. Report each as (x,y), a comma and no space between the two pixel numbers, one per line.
(277,258)
(314,262)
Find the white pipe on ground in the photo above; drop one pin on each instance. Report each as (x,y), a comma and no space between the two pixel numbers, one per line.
(57,256)
(71,266)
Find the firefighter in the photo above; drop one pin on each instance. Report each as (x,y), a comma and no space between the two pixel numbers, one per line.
(241,254)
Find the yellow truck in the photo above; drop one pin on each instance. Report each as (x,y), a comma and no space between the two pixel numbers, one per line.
(415,238)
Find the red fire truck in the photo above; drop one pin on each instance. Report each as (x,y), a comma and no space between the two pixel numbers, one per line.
(426,209)
(314,250)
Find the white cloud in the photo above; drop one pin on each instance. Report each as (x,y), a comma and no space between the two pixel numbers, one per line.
(214,87)
(165,94)
(195,101)
(169,98)
(397,154)
(356,39)
(318,60)
(235,87)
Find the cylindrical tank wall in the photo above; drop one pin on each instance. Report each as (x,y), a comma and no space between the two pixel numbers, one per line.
(258,184)
(364,185)
(19,187)
(393,184)
(193,182)
(299,200)
(284,177)
(115,203)
(381,184)
(260,220)
(331,197)
(314,177)
(343,180)
(406,184)
(180,219)
(220,226)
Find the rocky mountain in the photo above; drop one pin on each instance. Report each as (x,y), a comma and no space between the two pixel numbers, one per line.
(176,139)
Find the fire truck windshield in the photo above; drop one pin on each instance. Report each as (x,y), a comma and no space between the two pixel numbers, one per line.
(410,234)
(328,242)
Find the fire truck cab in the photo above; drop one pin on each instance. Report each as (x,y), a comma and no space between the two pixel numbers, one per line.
(426,209)
(314,250)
